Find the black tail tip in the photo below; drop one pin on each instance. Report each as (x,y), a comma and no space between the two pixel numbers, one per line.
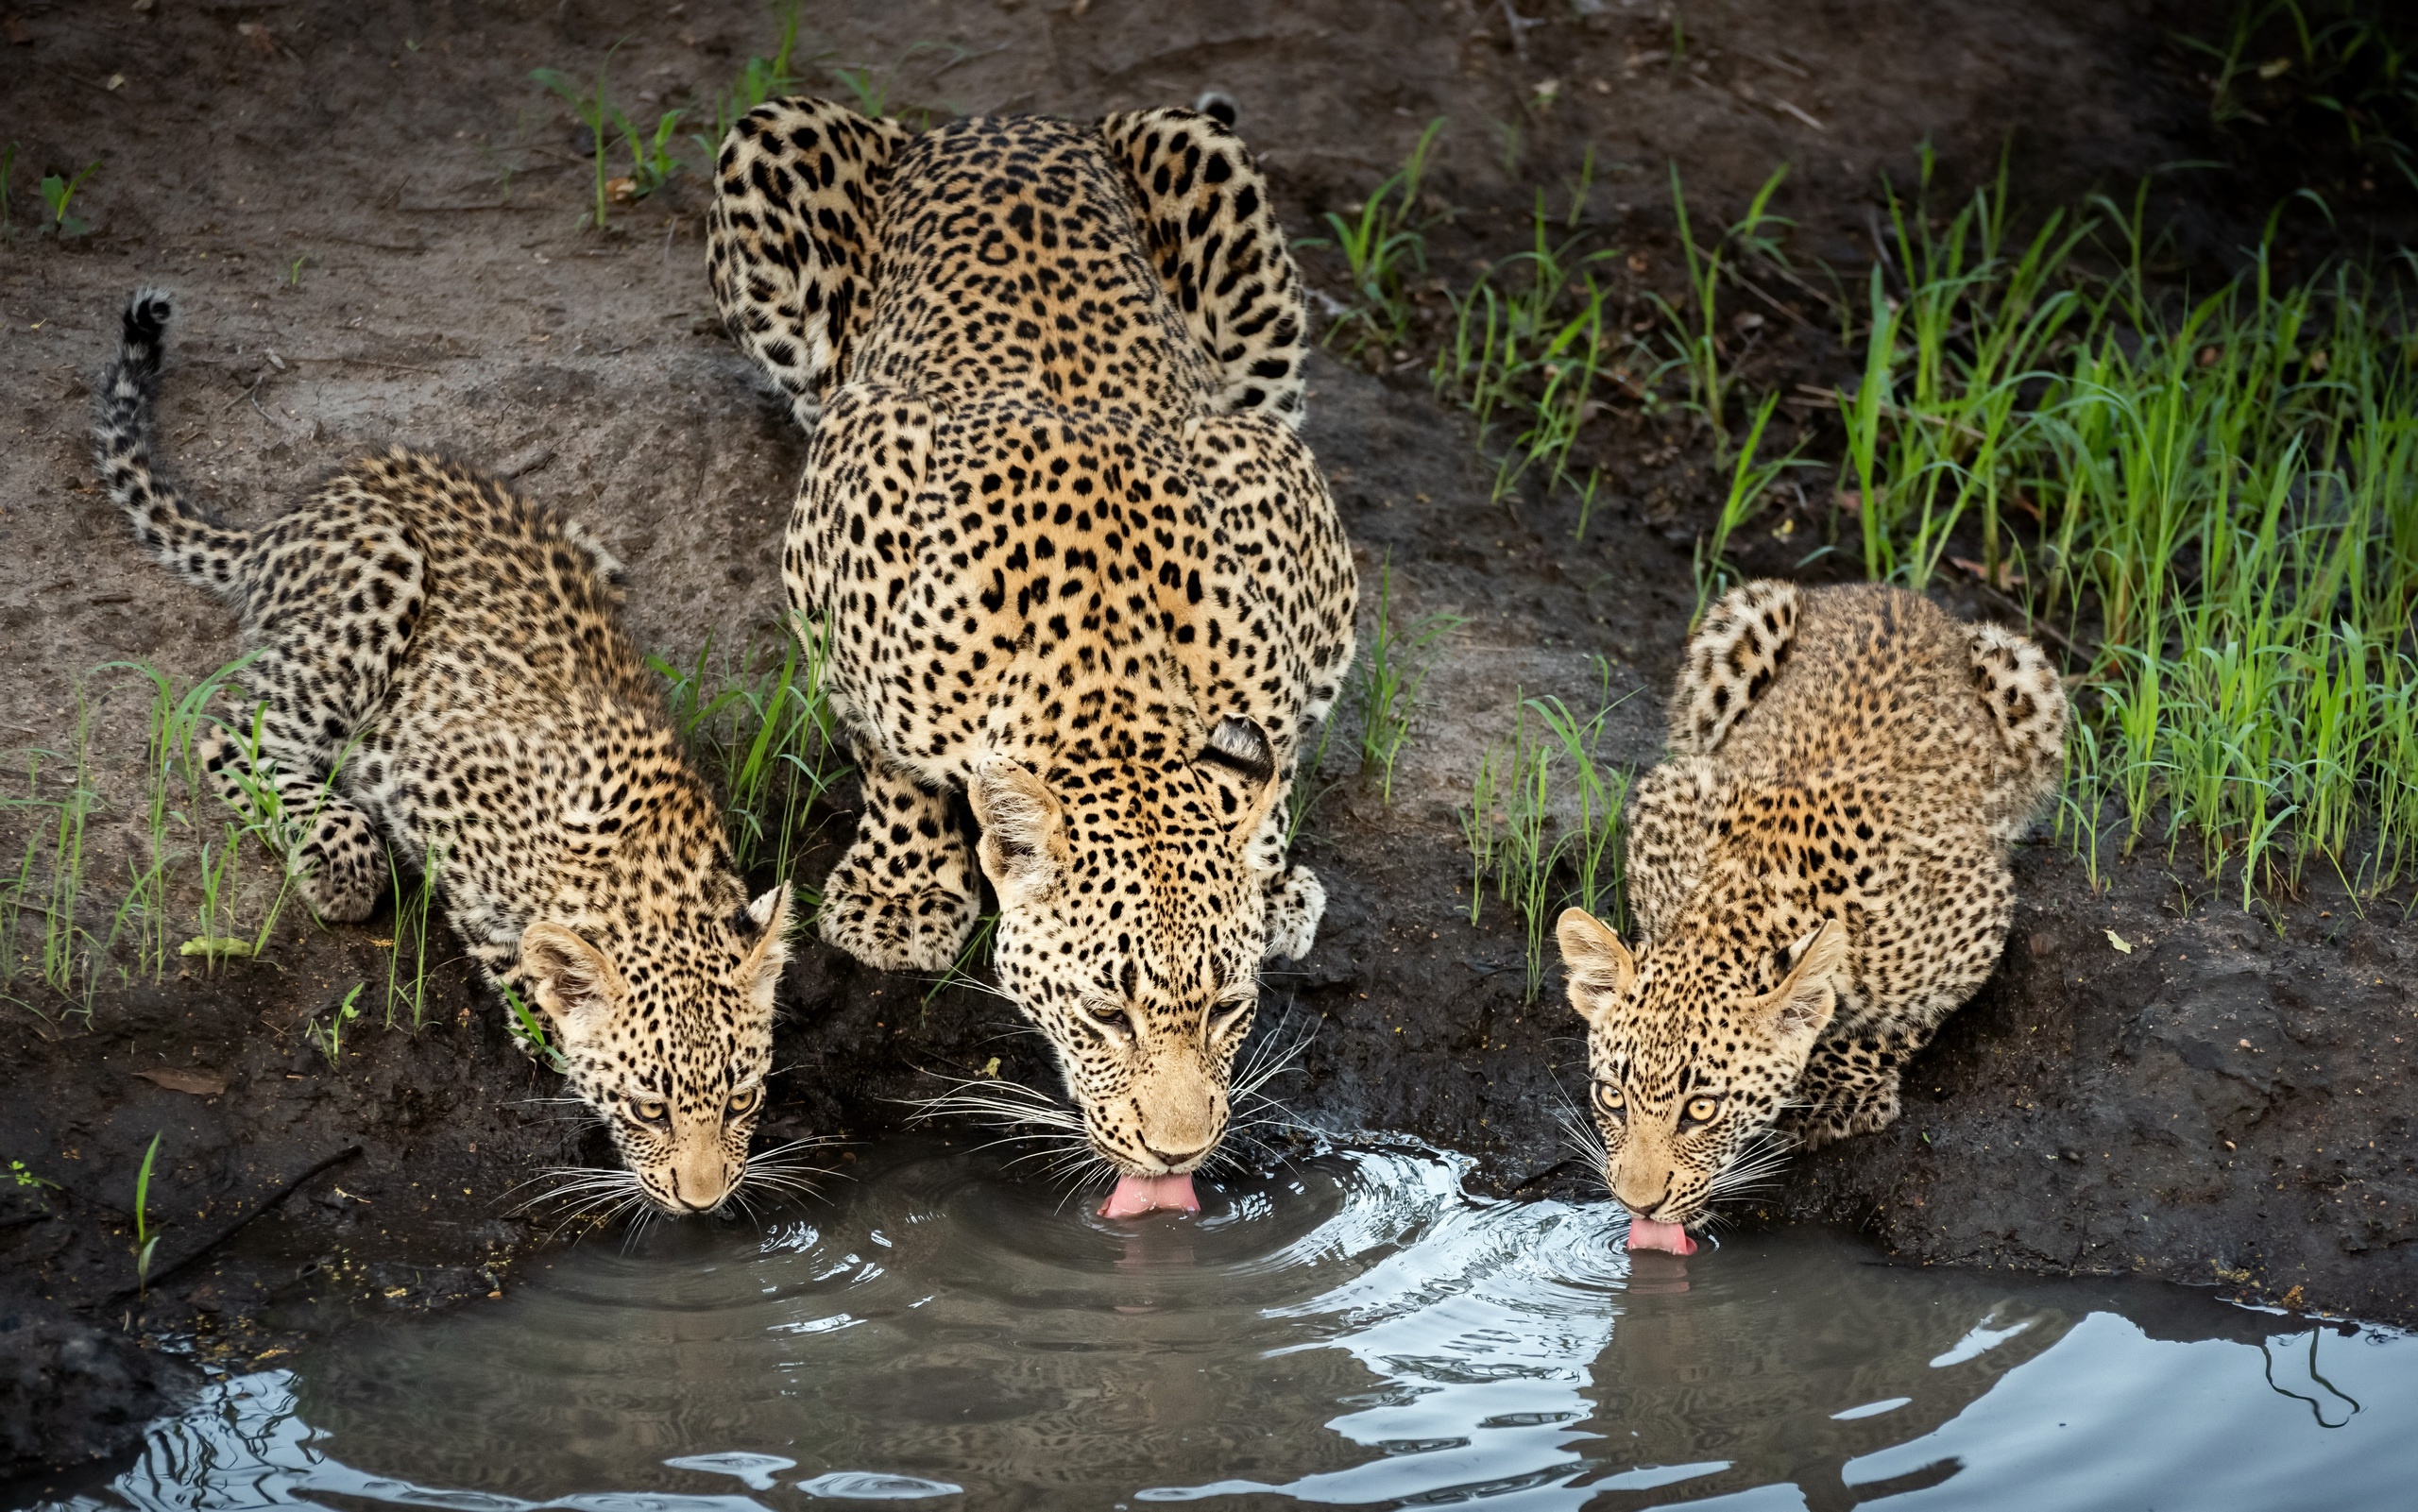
(1219,107)
(146,317)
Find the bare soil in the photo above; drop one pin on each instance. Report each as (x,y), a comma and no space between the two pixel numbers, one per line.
(371,217)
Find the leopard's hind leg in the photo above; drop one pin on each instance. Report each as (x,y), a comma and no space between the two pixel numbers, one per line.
(905,896)
(2026,698)
(797,191)
(1732,659)
(340,587)
(330,595)
(1210,226)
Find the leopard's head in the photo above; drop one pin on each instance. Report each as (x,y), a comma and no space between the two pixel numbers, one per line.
(1133,919)
(666,1034)
(1695,1044)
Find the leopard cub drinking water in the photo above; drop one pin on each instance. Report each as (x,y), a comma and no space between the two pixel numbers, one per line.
(439,665)
(1819,876)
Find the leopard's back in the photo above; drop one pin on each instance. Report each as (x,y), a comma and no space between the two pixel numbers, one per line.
(1010,266)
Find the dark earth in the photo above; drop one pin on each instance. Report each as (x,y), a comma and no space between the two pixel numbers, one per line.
(372,217)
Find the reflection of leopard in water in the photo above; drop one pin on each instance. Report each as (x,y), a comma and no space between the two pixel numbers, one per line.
(1072,559)
(443,661)
(1819,877)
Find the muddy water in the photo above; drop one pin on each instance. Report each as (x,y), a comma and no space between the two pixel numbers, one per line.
(1352,1331)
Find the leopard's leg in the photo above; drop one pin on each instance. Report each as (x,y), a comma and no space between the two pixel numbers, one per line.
(2026,698)
(1850,1087)
(1210,226)
(337,593)
(1296,899)
(797,191)
(905,895)
(1730,659)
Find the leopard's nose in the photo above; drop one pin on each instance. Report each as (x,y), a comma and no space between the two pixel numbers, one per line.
(696,1193)
(1173,1159)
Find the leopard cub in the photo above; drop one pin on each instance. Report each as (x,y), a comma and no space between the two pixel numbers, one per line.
(439,665)
(1819,876)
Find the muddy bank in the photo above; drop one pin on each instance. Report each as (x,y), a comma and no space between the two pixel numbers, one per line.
(372,220)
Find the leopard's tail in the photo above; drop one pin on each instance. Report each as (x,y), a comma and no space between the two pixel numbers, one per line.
(197,548)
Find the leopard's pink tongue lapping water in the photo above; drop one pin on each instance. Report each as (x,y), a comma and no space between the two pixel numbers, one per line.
(1137,1194)
(1644,1233)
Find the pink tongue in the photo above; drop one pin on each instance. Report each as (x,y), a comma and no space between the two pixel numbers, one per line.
(1644,1233)
(1137,1194)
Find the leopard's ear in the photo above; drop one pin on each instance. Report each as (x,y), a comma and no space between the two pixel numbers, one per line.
(1024,848)
(760,972)
(1600,967)
(1794,1013)
(1241,766)
(576,985)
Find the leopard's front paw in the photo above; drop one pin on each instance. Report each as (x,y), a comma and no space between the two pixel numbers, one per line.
(919,928)
(1296,903)
(340,865)
(1866,1104)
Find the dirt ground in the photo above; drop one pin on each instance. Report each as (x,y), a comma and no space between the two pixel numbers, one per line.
(371,217)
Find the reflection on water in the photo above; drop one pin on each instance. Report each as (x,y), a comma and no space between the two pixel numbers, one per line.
(1352,1332)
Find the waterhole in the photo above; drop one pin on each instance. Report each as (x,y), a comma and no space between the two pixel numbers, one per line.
(1351,1332)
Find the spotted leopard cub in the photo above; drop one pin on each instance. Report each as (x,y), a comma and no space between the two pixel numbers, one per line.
(437,666)
(1072,559)
(1819,874)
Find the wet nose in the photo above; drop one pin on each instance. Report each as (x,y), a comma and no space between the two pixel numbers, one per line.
(1186,1151)
(695,1192)
(1639,1192)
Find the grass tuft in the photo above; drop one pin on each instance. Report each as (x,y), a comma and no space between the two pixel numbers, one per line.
(1543,823)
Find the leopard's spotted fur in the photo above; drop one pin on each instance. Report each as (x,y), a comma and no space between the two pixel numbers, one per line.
(1819,877)
(1070,556)
(438,667)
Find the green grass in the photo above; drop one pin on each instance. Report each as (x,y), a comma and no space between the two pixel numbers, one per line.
(1530,342)
(2336,72)
(651,147)
(2210,497)
(760,723)
(415,916)
(1749,481)
(328,1037)
(1696,331)
(146,1243)
(593,106)
(1387,683)
(760,79)
(1382,688)
(1384,244)
(58,193)
(531,1030)
(1543,823)
(871,88)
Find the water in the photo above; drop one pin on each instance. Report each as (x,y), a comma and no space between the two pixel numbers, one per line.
(1352,1333)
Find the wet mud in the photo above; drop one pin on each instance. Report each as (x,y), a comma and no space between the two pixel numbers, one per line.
(371,217)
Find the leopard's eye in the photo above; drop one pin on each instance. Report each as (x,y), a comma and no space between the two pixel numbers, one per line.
(649,1110)
(1225,1015)
(1107,1012)
(742,1102)
(1700,1109)
(1611,1099)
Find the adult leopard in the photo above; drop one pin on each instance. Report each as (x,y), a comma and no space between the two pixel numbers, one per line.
(1071,559)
